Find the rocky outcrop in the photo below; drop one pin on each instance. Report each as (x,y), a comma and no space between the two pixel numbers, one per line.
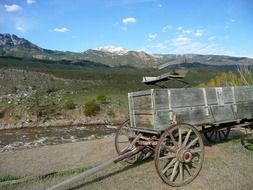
(14,43)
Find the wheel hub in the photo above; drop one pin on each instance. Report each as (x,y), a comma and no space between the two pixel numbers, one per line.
(184,155)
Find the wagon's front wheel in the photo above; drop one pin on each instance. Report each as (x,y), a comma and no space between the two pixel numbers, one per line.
(123,138)
(179,154)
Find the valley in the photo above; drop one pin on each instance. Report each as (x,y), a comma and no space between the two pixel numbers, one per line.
(74,101)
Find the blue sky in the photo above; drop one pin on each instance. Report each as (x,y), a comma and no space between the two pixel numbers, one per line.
(158,26)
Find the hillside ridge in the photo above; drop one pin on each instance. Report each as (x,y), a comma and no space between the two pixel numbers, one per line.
(14,46)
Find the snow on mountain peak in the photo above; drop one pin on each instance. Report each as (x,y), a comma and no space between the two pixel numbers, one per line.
(113,49)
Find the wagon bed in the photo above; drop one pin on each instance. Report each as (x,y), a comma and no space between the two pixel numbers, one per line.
(155,110)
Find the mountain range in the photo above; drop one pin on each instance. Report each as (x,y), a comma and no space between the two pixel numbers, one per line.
(109,56)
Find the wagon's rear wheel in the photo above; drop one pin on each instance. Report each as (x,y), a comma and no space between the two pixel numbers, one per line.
(216,135)
(123,138)
(179,155)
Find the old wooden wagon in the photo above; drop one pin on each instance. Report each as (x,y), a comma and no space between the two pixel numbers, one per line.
(168,122)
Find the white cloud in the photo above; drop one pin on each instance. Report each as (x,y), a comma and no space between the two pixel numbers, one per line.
(12,8)
(184,45)
(152,36)
(166,28)
(198,33)
(181,41)
(63,29)
(212,38)
(226,26)
(29,2)
(196,47)
(160,46)
(20,29)
(21,24)
(187,31)
(159,5)
(129,20)
(180,28)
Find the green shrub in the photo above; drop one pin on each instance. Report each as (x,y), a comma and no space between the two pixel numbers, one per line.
(241,78)
(91,108)
(111,113)
(69,104)
(102,99)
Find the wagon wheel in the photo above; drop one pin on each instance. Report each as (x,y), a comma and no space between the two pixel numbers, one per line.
(123,138)
(179,155)
(218,135)
(247,141)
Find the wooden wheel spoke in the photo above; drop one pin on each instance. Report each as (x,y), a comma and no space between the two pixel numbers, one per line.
(215,137)
(211,135)
(223,132)
(192,143)
(123,141)
(173,140)
(196,150)
(186,138)
(179,137)
(124,149)
(169,165)
(174,172)
(169,148)
(181,172)
(188,169)
(172,155)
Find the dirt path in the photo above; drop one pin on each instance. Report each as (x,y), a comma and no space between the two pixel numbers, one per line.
(47,159)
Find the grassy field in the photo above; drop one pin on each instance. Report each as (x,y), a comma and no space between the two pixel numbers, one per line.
(227,165)
(56,83)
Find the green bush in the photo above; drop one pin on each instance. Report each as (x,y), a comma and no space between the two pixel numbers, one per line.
(111,113)
(91,108)
(241,78)
(69,104)
(102,99)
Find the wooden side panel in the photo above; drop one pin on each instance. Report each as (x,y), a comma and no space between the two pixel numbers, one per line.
(245,110)
(162,119)
(142,110)
(192,115)
(211,96)
(243,94)
(227,95)
(142,104)
(144,121)
(222,113)
(154,109)
(188,97)
(161,99)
